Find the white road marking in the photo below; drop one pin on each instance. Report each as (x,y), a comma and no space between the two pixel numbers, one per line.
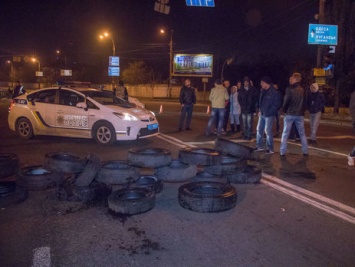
(339,210)
(41,257)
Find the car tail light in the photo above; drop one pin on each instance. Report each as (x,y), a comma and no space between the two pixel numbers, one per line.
(11,104)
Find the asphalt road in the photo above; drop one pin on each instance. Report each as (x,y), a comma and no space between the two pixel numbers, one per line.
(301,214)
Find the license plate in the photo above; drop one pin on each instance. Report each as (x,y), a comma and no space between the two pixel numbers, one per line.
(153,126)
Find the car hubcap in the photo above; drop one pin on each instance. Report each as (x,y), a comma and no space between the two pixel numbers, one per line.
(104,135)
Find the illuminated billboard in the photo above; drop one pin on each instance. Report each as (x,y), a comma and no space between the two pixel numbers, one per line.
(198,65)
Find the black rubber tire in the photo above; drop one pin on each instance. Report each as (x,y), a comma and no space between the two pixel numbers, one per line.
(149,182)
(251,175)
(9,164)
(24,128)
(207,196)
(208,177)
(104,133)
(117,172)
(228,165)
(200,156)
(64,162)
(149,157)
(11,194)
(36,177)
(131,201)
(91,169)
(176,172)
(234,149)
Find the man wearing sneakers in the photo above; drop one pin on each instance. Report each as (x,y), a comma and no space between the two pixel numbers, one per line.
(269,103)
(294,106)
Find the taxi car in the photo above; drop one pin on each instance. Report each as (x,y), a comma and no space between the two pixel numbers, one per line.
(80,112)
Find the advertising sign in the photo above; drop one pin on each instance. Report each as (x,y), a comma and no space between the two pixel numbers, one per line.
(39,73)
(198,65)
(114,61)
(205,3)
(321,34)
(114,71)
(65,72)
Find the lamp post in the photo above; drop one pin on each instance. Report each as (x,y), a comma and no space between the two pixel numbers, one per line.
(107,35)
(65,57)
(170,58)
(39,70)
(11,71)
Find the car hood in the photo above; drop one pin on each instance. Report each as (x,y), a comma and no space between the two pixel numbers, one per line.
(140,113)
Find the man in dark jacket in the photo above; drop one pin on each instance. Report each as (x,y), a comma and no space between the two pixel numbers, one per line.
(294,106)
(18,90)
(269,103)
(187,101)
(248,98)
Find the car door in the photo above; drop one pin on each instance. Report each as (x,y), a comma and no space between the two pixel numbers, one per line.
(69,117)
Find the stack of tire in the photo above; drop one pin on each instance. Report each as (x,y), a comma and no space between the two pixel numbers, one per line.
(10,192)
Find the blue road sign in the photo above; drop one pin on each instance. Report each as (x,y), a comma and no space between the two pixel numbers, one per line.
(321,34)
(114,71)
(204,3)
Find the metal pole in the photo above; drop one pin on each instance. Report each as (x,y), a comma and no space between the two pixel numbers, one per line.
(171,61)
(321,20)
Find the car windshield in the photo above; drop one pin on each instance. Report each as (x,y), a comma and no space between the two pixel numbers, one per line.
(107,98)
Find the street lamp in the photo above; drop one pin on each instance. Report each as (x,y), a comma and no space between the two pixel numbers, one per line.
(107,35)
(170,57)
(65,57)
(11,71)
(39,70)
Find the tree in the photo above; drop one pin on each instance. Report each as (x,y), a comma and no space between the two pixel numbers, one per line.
(138,73)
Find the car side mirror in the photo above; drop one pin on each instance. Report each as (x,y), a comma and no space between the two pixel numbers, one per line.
(82,105)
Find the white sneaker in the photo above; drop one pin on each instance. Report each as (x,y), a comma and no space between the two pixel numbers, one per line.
(350,160)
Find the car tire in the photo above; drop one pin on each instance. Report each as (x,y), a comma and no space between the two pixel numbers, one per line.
(64,163)
(149,182)
(11,194)
(149,157)
(131,201)
(24,128)
(91,169)
(208,177)
(35,178)
(176,172)
(251,175)
(117,172)
(200,156)
(229,165)
(104,133)
(207,196)
(9,164)
(234,149)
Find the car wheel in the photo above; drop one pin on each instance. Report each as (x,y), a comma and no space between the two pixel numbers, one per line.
(207,196)
(36,178)
(149,182)
(251,175)
(9,163)
(64,163)
(200,156)
(234,149)
(131,201)
(11,194)
(229,165)
(176,172)
(104,133)
(88,174)
(117,172)
(149,157)
(24,128)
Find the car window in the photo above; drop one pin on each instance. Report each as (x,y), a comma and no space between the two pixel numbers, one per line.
(45,96)
(91,105)
(69,98)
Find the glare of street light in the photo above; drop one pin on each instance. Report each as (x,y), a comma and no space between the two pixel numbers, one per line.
(107,35)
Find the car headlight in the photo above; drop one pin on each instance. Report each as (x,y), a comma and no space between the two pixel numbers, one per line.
(125,116)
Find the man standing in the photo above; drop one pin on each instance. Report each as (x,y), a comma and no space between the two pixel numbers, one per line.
(218,98)
(121,91)
(18,90)
(294,107)
(269,103)
(248,98)
(227,85)
(187,101)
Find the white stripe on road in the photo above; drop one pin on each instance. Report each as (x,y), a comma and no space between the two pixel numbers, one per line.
(41,257)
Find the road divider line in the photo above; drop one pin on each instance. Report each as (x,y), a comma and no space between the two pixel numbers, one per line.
(311,194)
(173,140)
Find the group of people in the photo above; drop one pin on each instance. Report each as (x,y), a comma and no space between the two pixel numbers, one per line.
(238,104)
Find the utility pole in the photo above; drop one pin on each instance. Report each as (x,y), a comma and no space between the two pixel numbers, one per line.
(321,20)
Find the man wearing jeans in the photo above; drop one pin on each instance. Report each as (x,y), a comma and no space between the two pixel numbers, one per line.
(294,107)
(269,102)
(218,97)
(187,101)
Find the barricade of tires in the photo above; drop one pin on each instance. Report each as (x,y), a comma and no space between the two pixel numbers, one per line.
(206,175)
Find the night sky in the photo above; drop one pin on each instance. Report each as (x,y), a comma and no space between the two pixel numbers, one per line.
(249,29)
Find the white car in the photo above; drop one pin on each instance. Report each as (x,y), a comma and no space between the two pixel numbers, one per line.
(80,112)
